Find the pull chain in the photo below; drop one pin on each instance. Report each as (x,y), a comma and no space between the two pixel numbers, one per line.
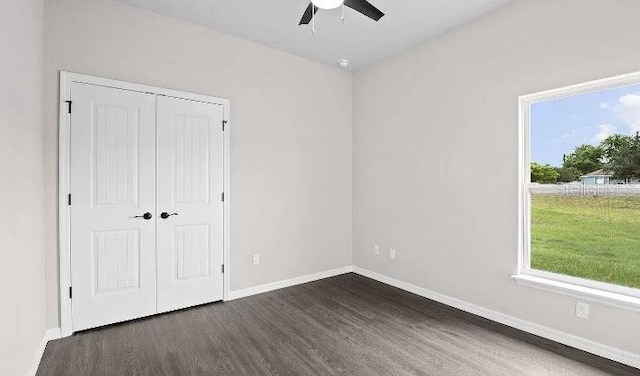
(343,12)
(313,19)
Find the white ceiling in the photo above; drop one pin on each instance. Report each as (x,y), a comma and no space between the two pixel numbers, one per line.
(363,41)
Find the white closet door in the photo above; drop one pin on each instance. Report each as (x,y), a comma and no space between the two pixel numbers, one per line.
(189,189)
(112,182)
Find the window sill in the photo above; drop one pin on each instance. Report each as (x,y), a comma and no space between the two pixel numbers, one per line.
(580,292)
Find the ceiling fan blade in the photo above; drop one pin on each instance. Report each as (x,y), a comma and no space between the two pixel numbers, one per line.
(306,17)
(365,7)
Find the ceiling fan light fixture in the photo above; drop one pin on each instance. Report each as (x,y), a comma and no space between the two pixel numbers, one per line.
(327,4)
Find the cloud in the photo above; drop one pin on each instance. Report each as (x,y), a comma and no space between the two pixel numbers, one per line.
(604,131)
(604,105)
(628,110)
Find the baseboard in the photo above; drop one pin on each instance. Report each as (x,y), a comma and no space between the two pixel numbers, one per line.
(592,347)
(243,293)
(583,344)
(49,335)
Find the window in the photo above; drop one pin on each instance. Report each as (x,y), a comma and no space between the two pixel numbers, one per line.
(580,181)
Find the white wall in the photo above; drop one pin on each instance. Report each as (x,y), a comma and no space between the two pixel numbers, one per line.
(429,122)
(22,285)
(290,142)
(426,123)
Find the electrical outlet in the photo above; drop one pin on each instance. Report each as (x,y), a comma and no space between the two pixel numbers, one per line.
(392,254)
(256,259)
(376,250)
(582,310)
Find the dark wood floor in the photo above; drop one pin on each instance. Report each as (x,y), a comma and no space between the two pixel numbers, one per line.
(346,325)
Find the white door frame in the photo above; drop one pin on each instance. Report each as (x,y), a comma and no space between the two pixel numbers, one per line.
(64,148)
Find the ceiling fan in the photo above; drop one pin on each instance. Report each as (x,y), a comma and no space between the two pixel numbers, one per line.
(362,6)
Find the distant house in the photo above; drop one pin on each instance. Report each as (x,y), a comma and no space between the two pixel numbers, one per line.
(598,177)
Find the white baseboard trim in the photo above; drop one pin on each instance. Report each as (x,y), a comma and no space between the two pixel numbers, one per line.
(589,346)
(49,334)
(243,293)
(583,344)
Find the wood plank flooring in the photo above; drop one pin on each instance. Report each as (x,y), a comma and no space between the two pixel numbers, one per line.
(345,325)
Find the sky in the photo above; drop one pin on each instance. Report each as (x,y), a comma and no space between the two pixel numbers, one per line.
(558,126)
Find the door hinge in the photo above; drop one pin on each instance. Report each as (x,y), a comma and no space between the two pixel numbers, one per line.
(70,292)
(222,196)
(69,199)
(224,125)
(223,268)
(69,106)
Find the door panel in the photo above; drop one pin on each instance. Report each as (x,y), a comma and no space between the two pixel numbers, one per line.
(112,180)
(115,135)
(190,158)
(190,184)
(116,256)
(191,251)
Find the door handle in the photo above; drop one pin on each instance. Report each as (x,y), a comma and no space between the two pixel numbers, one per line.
(146,216)
(165,215)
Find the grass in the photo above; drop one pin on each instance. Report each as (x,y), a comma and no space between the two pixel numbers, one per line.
(596,238)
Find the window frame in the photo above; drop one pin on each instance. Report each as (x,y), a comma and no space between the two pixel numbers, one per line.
(626,297)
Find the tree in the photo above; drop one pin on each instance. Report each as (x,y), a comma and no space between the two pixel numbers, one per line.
(624,160)
(613,144)
(585,158)
(544,174)
(569,174)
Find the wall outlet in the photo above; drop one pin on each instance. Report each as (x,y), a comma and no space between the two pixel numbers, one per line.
(392,254)
(256,259)
(582,310)
(376,250)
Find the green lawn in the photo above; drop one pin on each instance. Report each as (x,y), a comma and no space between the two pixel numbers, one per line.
(597,238)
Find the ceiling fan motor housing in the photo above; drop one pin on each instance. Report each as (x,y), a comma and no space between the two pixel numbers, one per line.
(361,6)
(327,4)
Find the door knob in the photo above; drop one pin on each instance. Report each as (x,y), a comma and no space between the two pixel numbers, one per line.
(165,215)
(146,216)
